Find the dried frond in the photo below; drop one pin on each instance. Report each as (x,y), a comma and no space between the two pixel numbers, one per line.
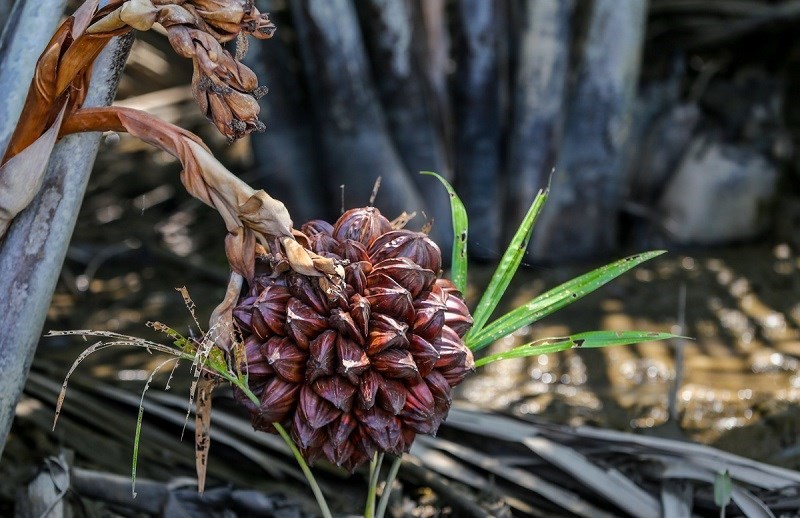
(202,429)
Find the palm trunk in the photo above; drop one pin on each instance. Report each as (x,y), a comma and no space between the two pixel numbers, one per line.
(356,148)
(286,169)
(580,219)
(28,29)
(34,248)
(395,36)
(539,98)
(479,120)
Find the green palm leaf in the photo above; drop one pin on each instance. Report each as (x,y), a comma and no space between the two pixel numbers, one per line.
(507,267)
(555,299)
(587,340)
(460,227)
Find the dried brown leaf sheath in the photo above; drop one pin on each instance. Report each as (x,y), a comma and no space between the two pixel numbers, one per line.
(224,88)
(21,177)
(250,216)
(202,430)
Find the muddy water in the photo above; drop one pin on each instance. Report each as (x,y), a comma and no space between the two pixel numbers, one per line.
(739,385)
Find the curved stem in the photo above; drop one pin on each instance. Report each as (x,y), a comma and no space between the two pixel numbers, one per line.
(387,488)
(312,482)
(374,474)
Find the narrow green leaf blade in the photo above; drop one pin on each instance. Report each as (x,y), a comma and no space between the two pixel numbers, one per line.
(531,349)
(587,340)
(460,229)
(138,434)
(555,299)
(508,266)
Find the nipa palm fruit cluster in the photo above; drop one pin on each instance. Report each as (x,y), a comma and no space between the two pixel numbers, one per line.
(363,367)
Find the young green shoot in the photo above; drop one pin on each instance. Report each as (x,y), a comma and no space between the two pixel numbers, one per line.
(458,263)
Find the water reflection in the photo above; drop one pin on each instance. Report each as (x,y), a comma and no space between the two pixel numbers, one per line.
(741,367)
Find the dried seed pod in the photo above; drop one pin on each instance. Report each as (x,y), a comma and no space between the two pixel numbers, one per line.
(322,356)
(355,275)
(353,361)
(419,408)
(391,395)
(336,390)
(368,388)
(363,225)
(429,321)
(254,363)
(316,227)
(305,289)
(277,400)
(243,313)
(360,311)
(303,323)
(405,243)
(391,298)
(271,307)
(406,273)
(385,332)
(395,363)
(457,316)
(342,428)
(305,435)
(425,355)
(345,325)
(352,251)
(323,244)
(382,427)
(314,410)
(286,359)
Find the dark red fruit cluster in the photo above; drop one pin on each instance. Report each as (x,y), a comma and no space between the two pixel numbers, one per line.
(365,367)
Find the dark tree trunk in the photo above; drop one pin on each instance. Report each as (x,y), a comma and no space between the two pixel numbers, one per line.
(580,219)
(437,64)
(539,97)
(477,104)
(387,97)
(286,168)
(395,38)
(356,147)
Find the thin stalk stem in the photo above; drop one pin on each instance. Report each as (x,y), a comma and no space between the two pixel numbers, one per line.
(312,482)
(244,388)
(374,474)
(387,488)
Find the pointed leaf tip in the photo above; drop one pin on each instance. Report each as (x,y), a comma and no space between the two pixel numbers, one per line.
(458,263)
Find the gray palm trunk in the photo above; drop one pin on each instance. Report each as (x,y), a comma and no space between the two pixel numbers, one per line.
(32,252)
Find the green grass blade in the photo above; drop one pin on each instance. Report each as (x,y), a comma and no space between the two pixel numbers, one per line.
(460,228)
(555,299)
(138,434)
(522,351)
(508,266)
(587,340)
